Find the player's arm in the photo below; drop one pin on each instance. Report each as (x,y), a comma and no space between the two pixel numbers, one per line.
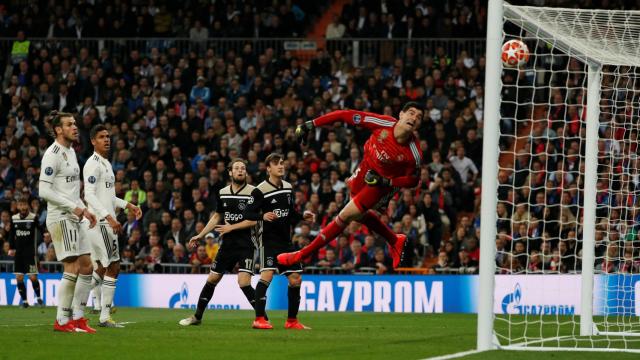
(123,204)
(211,224)
(227,228)
(12,239)
(295,217)
(92,176)
(372,178)
(363,119)
(48,169)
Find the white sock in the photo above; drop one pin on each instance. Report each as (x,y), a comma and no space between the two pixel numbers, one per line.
(96,284)
(81,295)
(108,290)
(65,297)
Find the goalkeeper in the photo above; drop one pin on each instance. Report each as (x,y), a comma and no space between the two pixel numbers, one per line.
(392,158)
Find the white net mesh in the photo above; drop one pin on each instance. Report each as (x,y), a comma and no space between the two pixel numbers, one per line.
(541,181)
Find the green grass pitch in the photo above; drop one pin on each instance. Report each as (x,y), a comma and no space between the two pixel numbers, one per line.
(155,334)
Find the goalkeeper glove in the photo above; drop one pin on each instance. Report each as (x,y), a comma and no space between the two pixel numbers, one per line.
(302,132)
(372,178)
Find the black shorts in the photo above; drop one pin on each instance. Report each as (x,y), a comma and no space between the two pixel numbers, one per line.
(227,258)
(25,265)
(268,261)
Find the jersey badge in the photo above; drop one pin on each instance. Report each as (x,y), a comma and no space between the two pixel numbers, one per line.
(400,157)
(92,179)
(356,118)
(241,206)
(274,201)
(269,261)
(383,135)
(48,170)
(64,155)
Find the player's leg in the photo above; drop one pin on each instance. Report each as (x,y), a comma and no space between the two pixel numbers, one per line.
(205,296)
(349,213)
(85,274)
(65,295)
(244,257)
(363,197)
(108,293)
(261,322)
(268,267)
(35,284)
(22,290)
(110,256)
(396,241)
(224,261)
(60,238)
(81,293)
(293,295)
(96,285)
(99,259)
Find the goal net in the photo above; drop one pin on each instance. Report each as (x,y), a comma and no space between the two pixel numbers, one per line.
(567,244)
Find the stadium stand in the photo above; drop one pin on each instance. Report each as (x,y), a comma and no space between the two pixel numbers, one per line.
(179,110)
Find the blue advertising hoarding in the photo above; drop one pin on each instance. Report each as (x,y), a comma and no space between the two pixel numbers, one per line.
(514,294)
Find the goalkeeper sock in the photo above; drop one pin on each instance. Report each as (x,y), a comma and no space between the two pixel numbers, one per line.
(35,284)
(261,298)
(81,295)
(65,297)
(108,290)
(205,295)
(293,293)
(96,284)
(373,223)
(22,289)
(335,227)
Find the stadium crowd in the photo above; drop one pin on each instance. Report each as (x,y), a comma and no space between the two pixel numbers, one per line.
(177,117)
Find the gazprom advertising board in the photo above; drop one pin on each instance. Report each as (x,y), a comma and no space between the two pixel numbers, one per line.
(514,294)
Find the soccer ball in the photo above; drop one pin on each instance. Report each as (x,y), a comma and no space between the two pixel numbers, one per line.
(515,53)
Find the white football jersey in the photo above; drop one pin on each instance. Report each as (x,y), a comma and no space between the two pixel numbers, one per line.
(60,182)
(99,191)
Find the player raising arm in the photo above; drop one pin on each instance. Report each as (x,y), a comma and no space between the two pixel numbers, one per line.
(235,204)
(100,194)
(392,159)
(59,186)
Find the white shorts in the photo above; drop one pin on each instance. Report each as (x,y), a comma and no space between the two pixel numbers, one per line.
(104,243)
(68,239)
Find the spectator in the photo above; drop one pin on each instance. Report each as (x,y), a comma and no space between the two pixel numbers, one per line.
(200,91)
(178,255)
(382,262)
(330,260)
(335,29)
(199,258)
(358,258)
(211,245)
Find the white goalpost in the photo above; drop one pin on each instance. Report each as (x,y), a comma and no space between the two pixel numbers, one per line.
(560,230)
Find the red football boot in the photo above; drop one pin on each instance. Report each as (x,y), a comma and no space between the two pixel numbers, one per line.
(397,249)
(262,324)
(288,259)
(68,327)
(83,324)
(295,324)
